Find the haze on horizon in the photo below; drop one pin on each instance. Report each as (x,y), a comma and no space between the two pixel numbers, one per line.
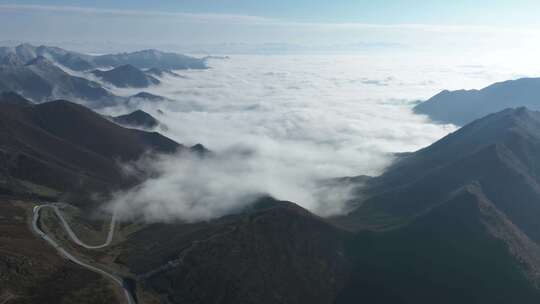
(496,29)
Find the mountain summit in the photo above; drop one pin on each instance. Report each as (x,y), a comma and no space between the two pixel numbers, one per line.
(67,147)
(42,80)
(126,76)
(463,106)
(145,59)
(491,151)
(446,215)
(460,214)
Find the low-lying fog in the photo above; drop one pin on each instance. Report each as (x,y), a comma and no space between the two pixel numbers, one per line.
(281,124)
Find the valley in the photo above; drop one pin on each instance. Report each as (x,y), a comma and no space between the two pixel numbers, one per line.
(155,177)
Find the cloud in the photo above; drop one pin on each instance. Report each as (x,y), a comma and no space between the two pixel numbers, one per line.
(280,125)
(191,188)
(285,125)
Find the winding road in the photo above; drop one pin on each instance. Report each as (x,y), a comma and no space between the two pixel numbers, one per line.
(116,278)
(74,237)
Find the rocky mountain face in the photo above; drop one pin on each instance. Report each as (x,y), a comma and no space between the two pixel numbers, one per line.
(463,106)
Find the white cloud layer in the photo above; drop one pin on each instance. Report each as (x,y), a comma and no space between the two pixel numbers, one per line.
(281,124)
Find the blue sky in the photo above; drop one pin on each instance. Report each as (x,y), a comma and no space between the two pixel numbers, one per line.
(486,12)
(328,25)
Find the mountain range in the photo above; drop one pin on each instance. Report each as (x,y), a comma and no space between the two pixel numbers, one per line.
(145,59)
(126,76)
(66,148)
(137,118)
(463,106)
(40,74)
(157,72)
(452,223)
(47,73)
(455,222)
(41,80)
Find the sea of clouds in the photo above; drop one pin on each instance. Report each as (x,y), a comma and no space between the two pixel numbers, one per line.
(282,125)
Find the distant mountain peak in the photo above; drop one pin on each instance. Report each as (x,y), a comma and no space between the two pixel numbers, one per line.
(463,106)
(513,116)
(149,96)
(11,59)
(40,61)
(150,52)
(520,111)
(162,72)
(25,45)
(126,68)
(126,75)
(137,118)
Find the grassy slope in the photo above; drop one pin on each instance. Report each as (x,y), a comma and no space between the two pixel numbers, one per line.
(32,272)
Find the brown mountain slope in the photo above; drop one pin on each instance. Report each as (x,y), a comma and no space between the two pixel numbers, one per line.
(68,147)
(452,223)
(461,251)
(32,272)
(276,253)
(501,152)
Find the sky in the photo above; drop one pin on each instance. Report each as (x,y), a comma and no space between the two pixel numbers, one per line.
(458,12)
(205,26)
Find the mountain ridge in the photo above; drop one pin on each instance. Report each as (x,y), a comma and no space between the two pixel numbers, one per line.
(67,147)
(145,59)
(125,76)
(463,106)
(41,80)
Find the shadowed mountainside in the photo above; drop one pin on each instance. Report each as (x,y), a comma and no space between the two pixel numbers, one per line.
(126,76)
(276,252)
(40,80)
(452,223)
(157,72)
(145,59)
(66,146)
(137,118)
(463,106)
(455,222)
